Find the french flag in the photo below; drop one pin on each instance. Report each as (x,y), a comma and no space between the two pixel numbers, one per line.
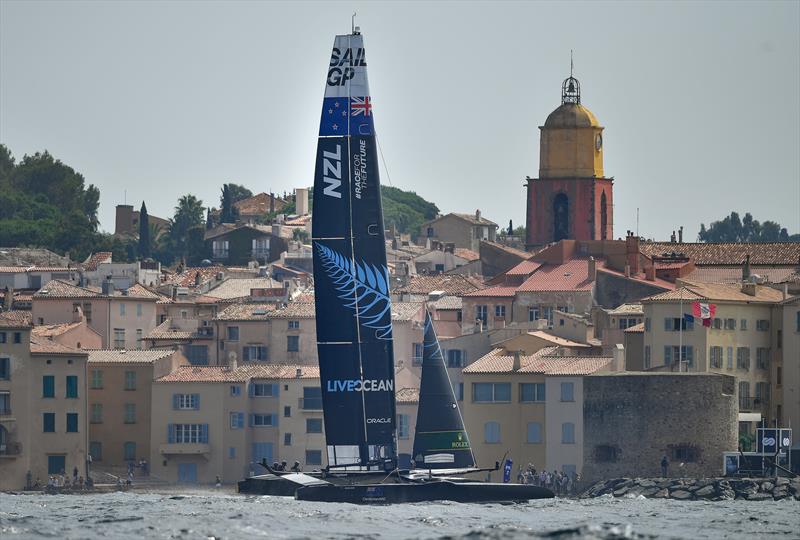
(705,311)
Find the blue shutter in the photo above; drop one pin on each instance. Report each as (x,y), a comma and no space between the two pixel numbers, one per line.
(204,433)
(689,354)
(240,419)
(250,389)
(668,324)
(274,420)
(196,402)
(667,355)
(176,401)
(275,390)
(171,433)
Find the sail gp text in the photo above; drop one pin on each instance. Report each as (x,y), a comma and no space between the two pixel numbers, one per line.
(357,385)
(360,169)
(338,75)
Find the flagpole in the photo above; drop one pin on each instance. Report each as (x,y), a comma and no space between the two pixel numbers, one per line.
(680,335)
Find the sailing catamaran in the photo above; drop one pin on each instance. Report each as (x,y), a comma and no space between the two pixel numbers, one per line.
(354,331)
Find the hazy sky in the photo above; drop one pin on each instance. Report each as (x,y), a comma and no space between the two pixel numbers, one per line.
(700,101)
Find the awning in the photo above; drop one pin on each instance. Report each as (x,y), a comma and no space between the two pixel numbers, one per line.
(749,417)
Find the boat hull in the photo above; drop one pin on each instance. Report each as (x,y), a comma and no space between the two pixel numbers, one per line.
(393,493)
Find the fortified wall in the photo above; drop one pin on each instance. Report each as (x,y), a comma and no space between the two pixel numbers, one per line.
(632,420)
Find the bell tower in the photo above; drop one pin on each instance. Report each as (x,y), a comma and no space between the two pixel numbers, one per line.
(571,198)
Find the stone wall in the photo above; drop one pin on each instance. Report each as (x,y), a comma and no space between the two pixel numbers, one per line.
(632,420)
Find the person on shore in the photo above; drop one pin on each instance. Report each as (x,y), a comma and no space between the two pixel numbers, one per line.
(74,475)
(295,467)
(218,482)
(664,466)
(81,485)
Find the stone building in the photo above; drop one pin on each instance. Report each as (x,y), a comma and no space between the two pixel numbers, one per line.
(462,230)
(632,420)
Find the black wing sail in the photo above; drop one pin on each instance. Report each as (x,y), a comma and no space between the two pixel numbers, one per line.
(351,279)
(440,440)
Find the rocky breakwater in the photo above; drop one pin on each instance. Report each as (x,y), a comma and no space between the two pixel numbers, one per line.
(706,489)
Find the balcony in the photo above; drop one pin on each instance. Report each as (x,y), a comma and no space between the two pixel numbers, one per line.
(5,412)
(184,449)
(10,450)
(752,404)
(310,404)
(260,253)
(219,254)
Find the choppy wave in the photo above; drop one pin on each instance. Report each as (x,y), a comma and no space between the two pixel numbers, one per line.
(217,514)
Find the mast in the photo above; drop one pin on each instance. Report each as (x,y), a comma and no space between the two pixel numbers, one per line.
(351,279)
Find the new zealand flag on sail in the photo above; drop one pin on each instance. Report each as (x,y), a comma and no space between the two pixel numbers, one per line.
(338,111)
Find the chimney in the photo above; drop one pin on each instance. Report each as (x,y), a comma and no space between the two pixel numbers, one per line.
(746,268)
(680,234)
(271,202)
(749,288)
(632,252)
(301,201)
(298,372)
(197,279)
(785,291)
(592,269)
(650,272)
(8,299)
(477,215)
(174,292)
(108,286)
(517,360)
(672,237)
(449,247)
(233,361)
(618,364)
(77,314)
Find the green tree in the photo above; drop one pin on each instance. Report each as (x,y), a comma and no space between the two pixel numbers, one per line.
(145,250)
(238,192)
(188,216)
(228,213)
(733,229)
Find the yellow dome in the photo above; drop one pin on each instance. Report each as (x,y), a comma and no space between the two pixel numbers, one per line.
(571,115)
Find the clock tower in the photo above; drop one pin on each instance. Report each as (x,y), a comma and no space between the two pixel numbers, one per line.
(571,198)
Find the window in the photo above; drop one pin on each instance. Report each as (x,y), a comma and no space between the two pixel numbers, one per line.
(500,311)
(779,376)
(231,452)
(762,325)
(675,324)
(647,357)
(416,360)
(122,309)
(548,314)
(567,433)
(233,333)
(743,324)
(684,454)
(287,411)
(716,323)
(762,358)
(481,314)
(72,422)
(197,354)
(647,324)
(312,398)
(294,325)
(287,439)
(762,392)
(567,391)
(262,452)
(186,402)
(744,391)
(313,457)
(533,314)
(138,339)
(236,390)
(130,413)
(72,386)
(254,353)
(729,354)
(87,311)
(743,358)
(3,338)
(49,422)
(263,390)
(292,343)
(797,322)
(17,337)
(5,369)
(96,450)
(626,323)
(119,338)
(730,324)
(97,378)
(456,358)
(237,420)
(534,433)
(313,425)
(5,403)
(491,432)
(491,392)
(402,426)
(715,357)
(671,355)
(188,433)
(263,420)
(779,338)
(97,413)
(130,380)
(129,451)
(138,310)
(605,454)
(531,392)
(56,464)
(460,391)
(48,386)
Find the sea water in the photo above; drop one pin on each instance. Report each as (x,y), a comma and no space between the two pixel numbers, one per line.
(222,514)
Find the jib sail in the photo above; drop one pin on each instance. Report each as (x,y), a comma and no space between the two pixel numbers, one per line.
(351,280)
(440,440)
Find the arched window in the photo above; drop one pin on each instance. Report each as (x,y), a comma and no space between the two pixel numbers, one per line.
(560,217)
(603,217)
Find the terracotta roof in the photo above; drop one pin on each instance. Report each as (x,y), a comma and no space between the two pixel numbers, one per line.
(298,221)
(246,312)
(122,356)
(294,310)
(46,346)
(405,311)
(226,228)
(61,289)
(768,253)
(407,395)
(633,308)
(496,291)
(95,259)
(717,292)
(509,249)
(163,331)
(467,254)
(258,204)
(454,284)
(52,330)
(556,340)
(138,290)
(635,329)
(543,362)
(524,268)
(662,265)
(640,277)
(243,373)
(28,269)
(572,275)
(15,319)
(733,274)
(187,277)
(233,288)
(447,302)
(472,218)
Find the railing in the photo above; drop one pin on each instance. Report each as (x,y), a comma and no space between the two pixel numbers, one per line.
(10,449)
(260,253)
(747,403)
(5,411)
(220,254)
(310,404)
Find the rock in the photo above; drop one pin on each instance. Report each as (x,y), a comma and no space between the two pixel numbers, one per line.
(727,494)
(664,483)
(705,491)
(650,491)
(663,494)
(620,492)
(646,483)
(767,486)
(680,495)
(782,481)
(780,491)
(759,497)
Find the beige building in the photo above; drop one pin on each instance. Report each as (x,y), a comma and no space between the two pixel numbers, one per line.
(462,230)
(121,317)
(120,399)
(786,372)
(43,420)
(222,421)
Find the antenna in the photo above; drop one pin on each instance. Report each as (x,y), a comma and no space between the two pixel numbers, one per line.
(571,63)
(353,23)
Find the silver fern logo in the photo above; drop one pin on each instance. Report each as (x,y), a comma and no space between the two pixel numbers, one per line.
(363,287)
